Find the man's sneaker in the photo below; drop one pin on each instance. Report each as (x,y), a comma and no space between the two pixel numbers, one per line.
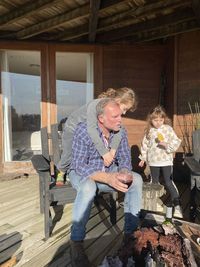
(178,212)
(60,179)
(78,256)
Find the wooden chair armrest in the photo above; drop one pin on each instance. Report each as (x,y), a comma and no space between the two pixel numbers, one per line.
(64,194)
(40,163)
(193,165)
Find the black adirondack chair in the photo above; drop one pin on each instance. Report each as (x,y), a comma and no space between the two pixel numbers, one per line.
(50,194)
(193,162)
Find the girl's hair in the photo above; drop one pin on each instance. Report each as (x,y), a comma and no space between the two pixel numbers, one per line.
(156,112)
(125,95)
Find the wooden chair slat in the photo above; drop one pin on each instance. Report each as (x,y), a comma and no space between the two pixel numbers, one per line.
(193,165)
(44,143)
(40,163)
(58,194)
(196,145)
(193,162)
(55,144)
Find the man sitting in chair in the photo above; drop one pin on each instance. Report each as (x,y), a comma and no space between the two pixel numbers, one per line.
(88,173)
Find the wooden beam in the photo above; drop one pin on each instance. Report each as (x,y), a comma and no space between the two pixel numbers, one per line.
(25,10)
(83,29)
(112,3)
(93,20)
(7,5)
(132,16)
(196,9)
(165,31)
(144,26)
(52,23)
(71,33)
(140,12)
(60,19)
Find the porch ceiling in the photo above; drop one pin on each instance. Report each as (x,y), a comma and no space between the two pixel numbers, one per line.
(97,21)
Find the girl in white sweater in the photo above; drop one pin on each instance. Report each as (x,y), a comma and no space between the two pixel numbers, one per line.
(158,145)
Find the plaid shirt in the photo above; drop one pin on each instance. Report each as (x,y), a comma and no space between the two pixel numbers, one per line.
(86,160)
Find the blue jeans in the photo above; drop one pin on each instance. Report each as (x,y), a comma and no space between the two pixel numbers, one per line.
(86,191)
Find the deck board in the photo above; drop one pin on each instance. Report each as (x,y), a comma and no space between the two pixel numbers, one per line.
(21,227)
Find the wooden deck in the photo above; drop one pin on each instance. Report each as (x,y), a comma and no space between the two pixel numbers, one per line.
(22,234)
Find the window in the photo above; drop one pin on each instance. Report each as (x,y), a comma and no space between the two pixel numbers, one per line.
(21,89)
(74,82)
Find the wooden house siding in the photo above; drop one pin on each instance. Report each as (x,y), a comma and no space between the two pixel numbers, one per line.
(188,80)
(188,70)
(138,67)
(169,68)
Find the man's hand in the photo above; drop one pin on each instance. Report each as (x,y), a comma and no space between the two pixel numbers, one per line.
(109,157)
(115,181)
(113,152)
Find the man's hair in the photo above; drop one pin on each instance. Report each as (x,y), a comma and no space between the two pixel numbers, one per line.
(102,104)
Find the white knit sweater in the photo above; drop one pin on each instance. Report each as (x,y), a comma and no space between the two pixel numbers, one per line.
(155,155)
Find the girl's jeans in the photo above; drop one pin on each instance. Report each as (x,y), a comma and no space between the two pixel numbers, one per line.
(86,191)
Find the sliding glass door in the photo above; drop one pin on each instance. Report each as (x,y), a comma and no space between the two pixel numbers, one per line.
(21,97)
(74,82)
(40,88)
